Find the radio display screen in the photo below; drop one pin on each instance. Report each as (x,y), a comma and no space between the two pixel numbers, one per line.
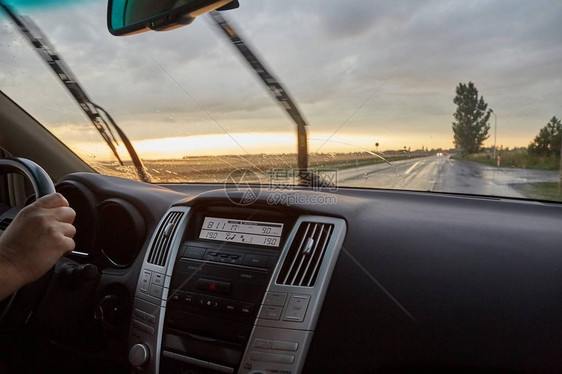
(242,231)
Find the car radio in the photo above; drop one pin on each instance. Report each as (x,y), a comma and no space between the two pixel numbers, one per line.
(226,290)
(214,295)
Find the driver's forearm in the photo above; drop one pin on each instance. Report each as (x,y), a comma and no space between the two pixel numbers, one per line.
(10,279)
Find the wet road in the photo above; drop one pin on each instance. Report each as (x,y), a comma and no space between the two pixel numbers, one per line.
(444,175)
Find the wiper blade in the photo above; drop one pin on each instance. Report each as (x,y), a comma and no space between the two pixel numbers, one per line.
(93,111)
(275,88)
(139,166)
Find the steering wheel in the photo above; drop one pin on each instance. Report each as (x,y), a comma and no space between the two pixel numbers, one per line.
(40,180)
(42,185)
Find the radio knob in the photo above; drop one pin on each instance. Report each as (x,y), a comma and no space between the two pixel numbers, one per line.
(139,355)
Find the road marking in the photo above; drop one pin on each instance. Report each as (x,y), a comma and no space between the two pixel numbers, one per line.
(412,167)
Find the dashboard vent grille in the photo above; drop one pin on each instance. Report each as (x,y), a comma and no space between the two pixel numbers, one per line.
(163,240)
(5,223)
(305,255)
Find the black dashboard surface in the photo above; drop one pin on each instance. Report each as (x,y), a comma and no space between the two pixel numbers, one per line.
(424,280)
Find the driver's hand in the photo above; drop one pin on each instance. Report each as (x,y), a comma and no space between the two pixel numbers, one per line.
(40,234)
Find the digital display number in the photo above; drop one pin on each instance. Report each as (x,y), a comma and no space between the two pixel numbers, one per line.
(242,231)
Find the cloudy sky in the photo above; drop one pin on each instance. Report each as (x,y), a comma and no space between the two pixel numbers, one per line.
(388,70)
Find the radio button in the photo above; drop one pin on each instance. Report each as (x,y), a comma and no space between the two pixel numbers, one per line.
(262,343)
(270,312)
(158,279)
(231,306)
(145,280)
(210,302)
(194,252)
(284,346)
(142,327)
(176,297)
(151,318)
(189,298)
(275,298)
(213,286)
(296,309)
(213,366)
(246,308)
(256,260)
(272,357)
(156,291)
(234,259)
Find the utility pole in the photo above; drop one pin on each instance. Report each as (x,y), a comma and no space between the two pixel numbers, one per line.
(495,130)
(560,174)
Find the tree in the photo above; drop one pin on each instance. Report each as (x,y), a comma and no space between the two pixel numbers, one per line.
(547,142)
(471,126)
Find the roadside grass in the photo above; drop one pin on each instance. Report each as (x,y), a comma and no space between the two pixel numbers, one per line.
(518,158)
(540,191)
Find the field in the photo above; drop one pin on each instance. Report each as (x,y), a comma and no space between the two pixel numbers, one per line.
(518,158)
(216,169)
(542,191)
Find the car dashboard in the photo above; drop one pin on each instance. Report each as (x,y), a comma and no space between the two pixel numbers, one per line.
(194,279)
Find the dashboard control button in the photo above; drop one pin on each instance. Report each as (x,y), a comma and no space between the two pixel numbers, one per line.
(213,366)
(189,298)
(272,357)
(275,298)
(151,318)
(231,306)
(210,302)
(194,252)
(246,308)
(139,355)
(262,343)
(145,280)
(176,296)
(270,312)
(256,260)
(284,346)
(296,309)
(158,279)
(138,313)
(234,259)
(169,354)
(156,291)
(193,361)
(142,327)
(213,285)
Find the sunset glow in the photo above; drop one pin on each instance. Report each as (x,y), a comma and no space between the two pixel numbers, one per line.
(250,143)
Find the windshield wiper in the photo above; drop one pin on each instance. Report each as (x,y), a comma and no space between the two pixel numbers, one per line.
(277,91)
(93,111)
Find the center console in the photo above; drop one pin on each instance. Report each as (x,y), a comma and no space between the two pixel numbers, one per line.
(231,289)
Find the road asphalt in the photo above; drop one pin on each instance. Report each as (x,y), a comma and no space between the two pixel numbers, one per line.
(443,174)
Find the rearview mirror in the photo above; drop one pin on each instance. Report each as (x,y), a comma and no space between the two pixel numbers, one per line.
(126,17)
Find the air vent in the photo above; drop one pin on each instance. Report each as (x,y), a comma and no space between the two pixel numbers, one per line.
(5,223)
(163,240)
(305,255)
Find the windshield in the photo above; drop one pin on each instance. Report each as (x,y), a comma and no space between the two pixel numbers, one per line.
(434,96)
